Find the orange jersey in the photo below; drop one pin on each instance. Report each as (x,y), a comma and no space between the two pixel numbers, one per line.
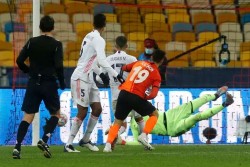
(143,75)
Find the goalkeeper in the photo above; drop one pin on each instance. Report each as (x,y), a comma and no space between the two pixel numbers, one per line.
(175,122)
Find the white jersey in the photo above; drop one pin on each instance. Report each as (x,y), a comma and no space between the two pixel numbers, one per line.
(92,54)
(116,61)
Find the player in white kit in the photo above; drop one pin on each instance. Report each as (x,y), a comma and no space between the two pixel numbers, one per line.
(117,60)
(83,88)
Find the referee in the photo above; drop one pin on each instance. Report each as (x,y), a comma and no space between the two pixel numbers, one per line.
(45,55)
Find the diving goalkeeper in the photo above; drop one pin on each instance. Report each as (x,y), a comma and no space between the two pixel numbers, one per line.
(175,122)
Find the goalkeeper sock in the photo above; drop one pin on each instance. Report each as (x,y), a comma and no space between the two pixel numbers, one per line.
(22,130)
(150,124)
(113,131)
(49,128)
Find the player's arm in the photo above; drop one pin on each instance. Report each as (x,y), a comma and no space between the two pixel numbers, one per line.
(23,55)
(155,88)
(59,65)
(99,46)
(128,67)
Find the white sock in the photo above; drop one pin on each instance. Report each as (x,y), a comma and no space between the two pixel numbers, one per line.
(91,125)
(121,130)
(76,124)
(141,125)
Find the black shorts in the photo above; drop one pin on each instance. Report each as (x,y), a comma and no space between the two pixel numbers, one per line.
(46,91)
(128,101)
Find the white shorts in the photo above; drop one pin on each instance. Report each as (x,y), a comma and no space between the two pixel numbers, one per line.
(84,93)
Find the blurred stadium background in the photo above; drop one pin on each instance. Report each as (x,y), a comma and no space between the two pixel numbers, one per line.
(176,25)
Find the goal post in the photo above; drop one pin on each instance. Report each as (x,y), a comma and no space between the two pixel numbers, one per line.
(36,32)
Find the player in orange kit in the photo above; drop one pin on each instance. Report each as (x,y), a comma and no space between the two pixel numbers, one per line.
(143,75)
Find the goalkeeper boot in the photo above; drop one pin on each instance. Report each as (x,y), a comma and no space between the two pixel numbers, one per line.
(222,90)
(70,149)
(91,146)
(16,154)
(229,100)
(44,147)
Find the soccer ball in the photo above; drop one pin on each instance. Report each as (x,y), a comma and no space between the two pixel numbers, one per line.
(62,120)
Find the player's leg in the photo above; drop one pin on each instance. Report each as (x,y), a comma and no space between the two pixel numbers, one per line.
(123,108)
(85,141)
(95,104)
(196,103)
(30,106)
(80,94)
(185,124)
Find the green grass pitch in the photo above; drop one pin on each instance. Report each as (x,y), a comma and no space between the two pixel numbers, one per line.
(133,156)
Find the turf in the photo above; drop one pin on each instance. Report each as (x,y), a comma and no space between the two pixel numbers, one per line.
(130,156)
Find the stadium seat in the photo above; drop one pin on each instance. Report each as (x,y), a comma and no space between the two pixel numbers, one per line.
(6,55)
(18,36)
(229,27)
(244,46)
(156,26)
(185,37)
(60,17)
(204,63)
(176,8)
(182,27)
(233,36)
(129,17)
(177,18)
(116,27)
(246,27)
(83,26)
(137,36)
(24,8)
(169,2)
(207,36)
(245,64)
(124,1)
(119,10)
(81,17)
(202,17)
(244,9)
(245,18)
(110,47)
(111,36)
(174,45)
(198,3)
(234,64)
(226,8)
(111,17)
(53,8)
(178,63)
(4,46)
(245,55)
(195,11)
(161,36)
(8,63)
(226,17)
(103,8)
(65,36)
(6,8)
(143,10)
(159,17)
(132,27)
(77,7)
(14,26)
(205,27)
(222,2)
(63,26)
(73,46)
(2,36)
(6,17)
(69,63)
(148,2)
(74,55)
(173,53)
